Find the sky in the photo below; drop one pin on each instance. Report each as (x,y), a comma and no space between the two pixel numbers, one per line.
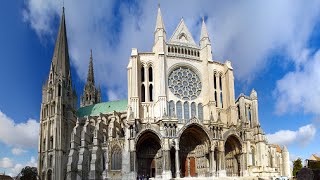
(274,47)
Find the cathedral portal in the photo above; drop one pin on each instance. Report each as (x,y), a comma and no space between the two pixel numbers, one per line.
(149,155)
(194,152)
(233,156)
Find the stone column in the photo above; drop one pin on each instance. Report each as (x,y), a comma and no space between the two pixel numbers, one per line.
(222,170)
(177,164)
(213,163)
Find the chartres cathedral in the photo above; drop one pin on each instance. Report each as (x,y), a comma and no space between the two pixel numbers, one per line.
(181,118)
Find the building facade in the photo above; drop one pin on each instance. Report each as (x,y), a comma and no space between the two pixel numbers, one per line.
(181,118)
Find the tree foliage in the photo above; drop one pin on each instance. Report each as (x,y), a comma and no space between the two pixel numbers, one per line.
(297,166)
(29,173)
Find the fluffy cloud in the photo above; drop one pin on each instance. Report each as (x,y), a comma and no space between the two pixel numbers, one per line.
(245,32)
(18,134)
(303,136)
(16,169)
(18,151)
(6,163)
(300,90)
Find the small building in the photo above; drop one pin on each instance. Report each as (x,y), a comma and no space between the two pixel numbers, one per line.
(313,162)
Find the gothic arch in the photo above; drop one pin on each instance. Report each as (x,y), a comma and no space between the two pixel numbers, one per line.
(194,123)
(183,64)
(151,130)
(232,132)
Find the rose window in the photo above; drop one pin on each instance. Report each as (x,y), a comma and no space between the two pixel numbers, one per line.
(184,83)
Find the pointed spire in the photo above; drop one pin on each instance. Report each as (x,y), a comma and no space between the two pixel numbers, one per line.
(90,78)
(204,32)
(60,58)
(159,24)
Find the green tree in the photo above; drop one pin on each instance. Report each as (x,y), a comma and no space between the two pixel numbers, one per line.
(28,173)
(297,166)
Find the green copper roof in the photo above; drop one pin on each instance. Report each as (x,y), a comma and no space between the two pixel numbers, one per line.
(105,107)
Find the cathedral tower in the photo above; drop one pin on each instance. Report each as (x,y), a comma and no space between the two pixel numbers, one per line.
(91,95)
(58,112)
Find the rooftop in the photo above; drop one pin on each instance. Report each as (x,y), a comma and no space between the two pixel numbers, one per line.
(104,107)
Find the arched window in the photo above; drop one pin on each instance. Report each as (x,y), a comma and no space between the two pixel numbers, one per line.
(253,156)
(50,160)
(193,110)
(150,92)
(168,49)
(44,144)
(179,50)
(214,81)
(186,110)
(150,74)
(216,98)
(116,160)
(179,110)
(221,99)
(200,111)
(59,90)
(143,93)
(51,142)
(103,162)
(220,82)
(249,116)
(142,74)
(175,50)
(171,108)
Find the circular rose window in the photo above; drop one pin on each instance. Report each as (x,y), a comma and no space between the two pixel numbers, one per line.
(184,83)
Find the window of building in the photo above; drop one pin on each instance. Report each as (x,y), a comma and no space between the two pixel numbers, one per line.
(142,74)
(179,110)
(51,142)
(214,81)
(216,98)
(143,92)
(221,99)
(50,160)
(200,111)
(59,90)
(253,156)
(186,110)
(171,108)
(150,92)
(116,159)
(150,74)
(193,110)
(220,82)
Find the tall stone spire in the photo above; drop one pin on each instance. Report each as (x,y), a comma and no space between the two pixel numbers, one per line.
(90,78)
(159,23)
(58,108)
(60,59)
(204,37)
(91,94)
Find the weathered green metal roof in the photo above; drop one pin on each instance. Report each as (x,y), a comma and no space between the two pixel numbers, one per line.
(105,107)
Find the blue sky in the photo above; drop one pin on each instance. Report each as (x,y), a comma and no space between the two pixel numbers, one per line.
(273,46)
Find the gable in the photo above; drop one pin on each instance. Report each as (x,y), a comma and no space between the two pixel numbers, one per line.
(182,35)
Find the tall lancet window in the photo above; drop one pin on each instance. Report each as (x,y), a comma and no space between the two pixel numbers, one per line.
(179,110)
(143,93)
(116,159)
(186,110)
(142,74)
(150,92)
(150,74)
(193,110)
(171,108)
(200,111)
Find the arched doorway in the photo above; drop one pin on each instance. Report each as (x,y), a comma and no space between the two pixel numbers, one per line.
(232,149)
(194,148)
(149,155)
(49,174)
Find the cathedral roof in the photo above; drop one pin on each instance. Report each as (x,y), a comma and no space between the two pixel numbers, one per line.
(105,107)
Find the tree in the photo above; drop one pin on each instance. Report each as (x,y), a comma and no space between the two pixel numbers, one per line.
(297,166)
(28,173)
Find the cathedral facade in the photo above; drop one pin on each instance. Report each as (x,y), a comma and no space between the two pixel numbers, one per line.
(181,118)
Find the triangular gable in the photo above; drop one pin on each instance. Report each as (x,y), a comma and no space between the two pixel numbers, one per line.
(182,35)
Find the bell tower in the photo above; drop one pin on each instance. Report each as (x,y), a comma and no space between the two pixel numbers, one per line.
(58,112)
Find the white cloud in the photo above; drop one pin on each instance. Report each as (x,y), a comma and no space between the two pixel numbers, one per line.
(18,151)
(6,163)
(245,32)
(15,169)
(18,134)
(300,90)
(303,136)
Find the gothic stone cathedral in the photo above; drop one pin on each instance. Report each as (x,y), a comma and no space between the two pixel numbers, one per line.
(181,118)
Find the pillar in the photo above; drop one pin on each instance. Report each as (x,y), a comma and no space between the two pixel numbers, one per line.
(177,163)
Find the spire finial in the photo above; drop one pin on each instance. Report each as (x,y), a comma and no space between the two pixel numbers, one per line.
(91,53)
